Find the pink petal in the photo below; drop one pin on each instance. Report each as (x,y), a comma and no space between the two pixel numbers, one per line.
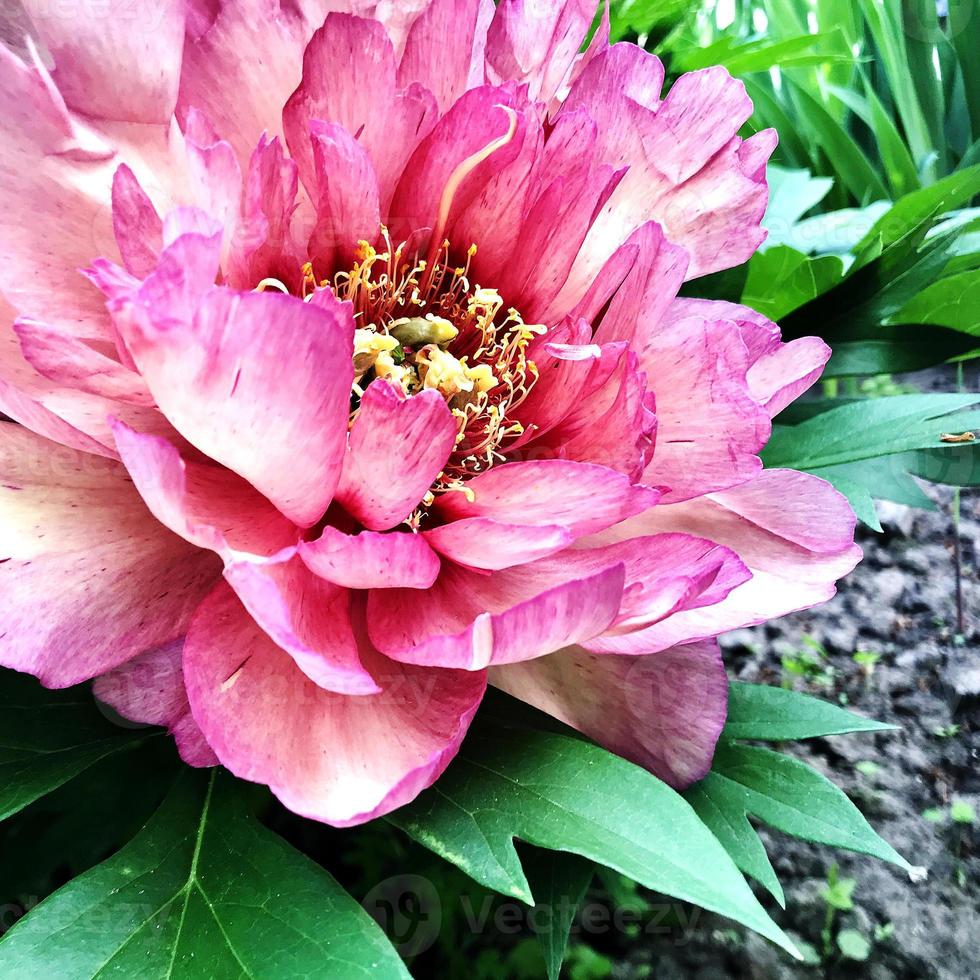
(135,222)
(479,542)
(339,759)
(264,245)
(363,99)
(664,711)
(306,616)
(398,446)
(370,560)
(205,504)
(444,49)
(580,496)
(260,382)
(470,620)
(348,207)
(793,531)
(149,689)
(121,41)
(708,442)
(537,43)
(72,363)
(778,373)
(90,579)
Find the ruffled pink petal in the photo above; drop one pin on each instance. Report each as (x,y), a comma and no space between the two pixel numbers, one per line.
(794,532)
(90,579)
(260,382)
(370,560)
(707,191)
(149,689)
(480,542)
(536,44)
(444,50)
(363,98)
(582,497)
(348,205)
(470,620)
(664,711)
(306,616)
(707,442)
(398,446)
(205,504)
(778,373)
(122,40)
(339,759)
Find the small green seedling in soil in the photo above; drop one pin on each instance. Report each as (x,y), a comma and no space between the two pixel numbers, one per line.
(884,932)
(866,660)
(962,812)
(867,768)
(838,896)
(946,731)
(933,815)
(810,665)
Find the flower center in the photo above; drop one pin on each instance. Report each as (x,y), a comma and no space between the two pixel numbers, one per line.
(421,324)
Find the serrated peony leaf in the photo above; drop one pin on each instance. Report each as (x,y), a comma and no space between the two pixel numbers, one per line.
(559,882)
(792,797)
(758,711)
(720,805)
(202,891)
(48,737)
(565,794)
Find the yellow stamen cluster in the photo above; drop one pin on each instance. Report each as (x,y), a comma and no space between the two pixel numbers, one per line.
(422,324)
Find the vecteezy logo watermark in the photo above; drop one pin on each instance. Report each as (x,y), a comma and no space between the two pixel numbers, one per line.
(410,911)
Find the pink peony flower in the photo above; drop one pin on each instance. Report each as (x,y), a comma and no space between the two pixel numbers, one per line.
(377,386)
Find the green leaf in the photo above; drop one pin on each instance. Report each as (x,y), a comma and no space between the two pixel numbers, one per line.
(719,804)
(772,714)
(781,280)
(202,891)
(48,737)
(870,428)
(852,945)
(792,797)
(559,882)
(563,793)
(950,302)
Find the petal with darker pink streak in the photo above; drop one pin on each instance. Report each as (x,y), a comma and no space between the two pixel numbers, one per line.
(89,578)
(663,711)
(342,760)
(363,99)
(306,616)
(370,560)
(398,446)
(793,531)
(583,497)
(135,222)
(472,619)
(444,50)
(348,206)
(537,44)
(778,373)
(480,542)
(706,441)
(149,689)
(260,382)
(207,505)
